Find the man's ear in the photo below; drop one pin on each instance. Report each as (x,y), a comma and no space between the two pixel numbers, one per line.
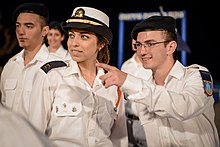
(172,47)
(45,31)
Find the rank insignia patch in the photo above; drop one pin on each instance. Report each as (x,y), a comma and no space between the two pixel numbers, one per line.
(53,64)
(207,82)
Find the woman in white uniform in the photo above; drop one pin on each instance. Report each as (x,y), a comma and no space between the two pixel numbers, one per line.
(55,41)
(69,102)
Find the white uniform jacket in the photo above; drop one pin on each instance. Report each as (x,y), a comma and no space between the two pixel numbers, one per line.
(179,113)
(71,113)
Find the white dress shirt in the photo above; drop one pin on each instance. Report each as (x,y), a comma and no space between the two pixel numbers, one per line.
(17,80)
(72,113)
(177,114)
(61,53)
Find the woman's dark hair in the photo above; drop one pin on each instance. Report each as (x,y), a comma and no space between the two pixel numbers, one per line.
(104,53)
(56,25)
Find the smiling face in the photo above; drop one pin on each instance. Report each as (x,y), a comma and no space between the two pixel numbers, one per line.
(154,53)
(55,38)
(82,45)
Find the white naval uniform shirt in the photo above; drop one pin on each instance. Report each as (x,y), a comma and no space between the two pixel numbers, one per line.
(71,113)
(17,80)
(61,53)
(177,114)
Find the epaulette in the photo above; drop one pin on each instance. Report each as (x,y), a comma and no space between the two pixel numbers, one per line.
(207,82)
(52,64)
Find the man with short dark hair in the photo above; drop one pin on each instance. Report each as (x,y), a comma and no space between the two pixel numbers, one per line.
(31,21)
(176,103)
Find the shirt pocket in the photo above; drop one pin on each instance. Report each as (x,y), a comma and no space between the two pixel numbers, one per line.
(9,88)
(67,109)
(10,84)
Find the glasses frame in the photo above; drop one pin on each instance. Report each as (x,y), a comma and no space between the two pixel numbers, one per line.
(148,44)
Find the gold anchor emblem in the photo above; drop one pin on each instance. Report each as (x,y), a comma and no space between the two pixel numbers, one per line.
(80,13)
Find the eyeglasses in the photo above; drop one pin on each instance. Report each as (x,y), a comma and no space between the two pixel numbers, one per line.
(139,45)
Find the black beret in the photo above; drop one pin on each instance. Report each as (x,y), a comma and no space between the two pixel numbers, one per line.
(166,23)
(36,8)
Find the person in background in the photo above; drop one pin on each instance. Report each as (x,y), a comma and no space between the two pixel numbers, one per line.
(136,133)
(31,22)
(18,131)
(69,103)
(177,101)
(55,41)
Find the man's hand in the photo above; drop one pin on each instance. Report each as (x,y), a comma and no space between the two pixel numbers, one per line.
(114,76)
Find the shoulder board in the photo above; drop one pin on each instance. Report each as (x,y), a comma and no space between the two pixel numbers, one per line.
(207,82)
(196,66)
(52,64)
(193,66)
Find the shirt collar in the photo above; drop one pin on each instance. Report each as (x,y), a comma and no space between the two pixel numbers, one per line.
(72,68)
(61,52)
(42,55)
(177,70)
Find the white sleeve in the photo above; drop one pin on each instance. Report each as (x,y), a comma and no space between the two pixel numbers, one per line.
(40,102)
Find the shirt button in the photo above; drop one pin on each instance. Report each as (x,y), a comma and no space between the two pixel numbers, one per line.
(74,109)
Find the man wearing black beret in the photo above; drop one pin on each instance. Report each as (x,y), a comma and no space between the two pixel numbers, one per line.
(31,26)
(35,8)
(175,105)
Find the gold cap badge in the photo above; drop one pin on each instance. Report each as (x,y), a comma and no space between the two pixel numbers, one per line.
(80,13)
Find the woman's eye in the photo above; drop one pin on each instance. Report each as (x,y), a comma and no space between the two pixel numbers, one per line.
(84,37)
(71,36)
